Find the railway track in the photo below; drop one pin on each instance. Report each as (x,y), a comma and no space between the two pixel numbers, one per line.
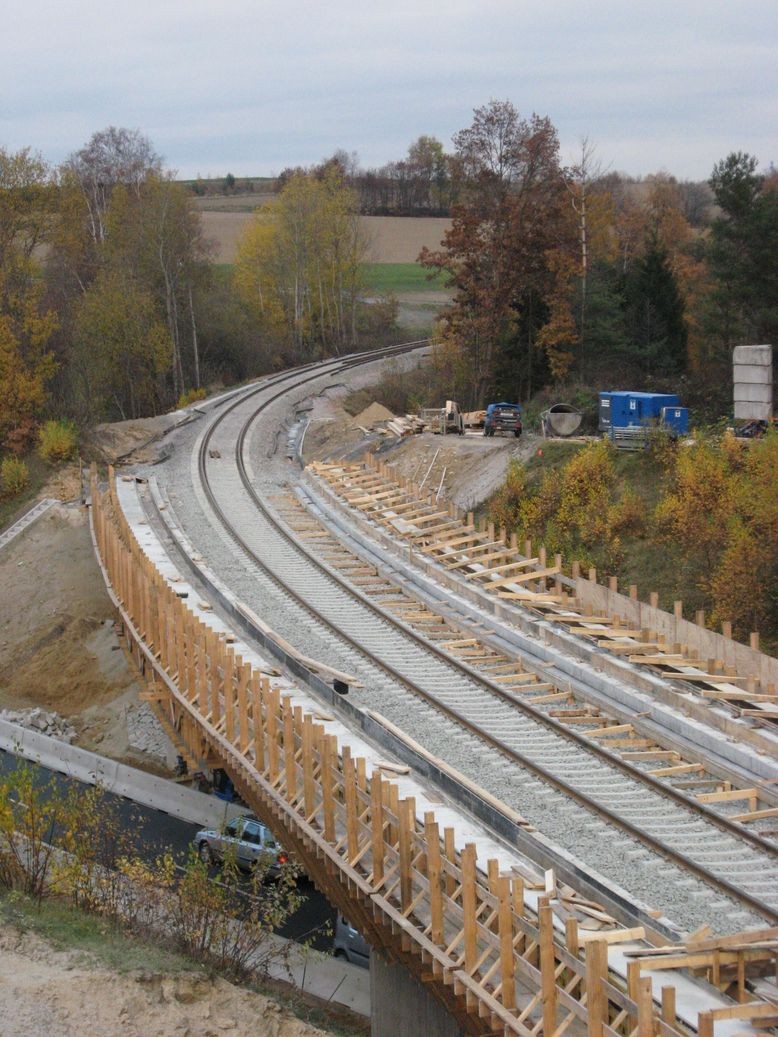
(625,814)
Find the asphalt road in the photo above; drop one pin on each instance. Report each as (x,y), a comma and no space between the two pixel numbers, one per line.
(156,831)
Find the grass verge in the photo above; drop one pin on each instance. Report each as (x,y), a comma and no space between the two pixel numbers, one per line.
(401,277)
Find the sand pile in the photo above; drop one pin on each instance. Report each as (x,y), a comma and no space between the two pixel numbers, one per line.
(372,415)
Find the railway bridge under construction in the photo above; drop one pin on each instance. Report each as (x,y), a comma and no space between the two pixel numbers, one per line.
(479,923)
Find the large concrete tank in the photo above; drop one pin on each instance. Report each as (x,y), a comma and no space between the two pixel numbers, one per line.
(561,420)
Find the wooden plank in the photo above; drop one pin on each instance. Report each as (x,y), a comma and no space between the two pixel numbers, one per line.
(756,815)
(501,568)
(681,768)
(614,935)
(536,574)
(728,796)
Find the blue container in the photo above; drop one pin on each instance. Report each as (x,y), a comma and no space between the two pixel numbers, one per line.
(677,419)
(628,409)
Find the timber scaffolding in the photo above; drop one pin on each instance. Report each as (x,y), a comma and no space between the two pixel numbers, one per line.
(730,675)
(467,934)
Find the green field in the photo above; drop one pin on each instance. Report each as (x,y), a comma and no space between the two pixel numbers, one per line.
(401,277)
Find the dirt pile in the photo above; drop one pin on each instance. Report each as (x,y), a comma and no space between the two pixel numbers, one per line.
(372,415)
(49,993)
(58,647)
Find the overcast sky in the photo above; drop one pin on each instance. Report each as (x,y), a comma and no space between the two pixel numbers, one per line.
(251,87)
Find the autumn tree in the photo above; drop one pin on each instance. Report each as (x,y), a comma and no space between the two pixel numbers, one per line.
(156,235)
(121,349)
(299,266)
(510,216)
(26,325)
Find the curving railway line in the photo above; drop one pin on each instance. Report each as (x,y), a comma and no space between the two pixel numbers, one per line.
(556,776)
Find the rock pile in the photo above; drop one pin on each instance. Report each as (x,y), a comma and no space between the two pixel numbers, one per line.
(37,719)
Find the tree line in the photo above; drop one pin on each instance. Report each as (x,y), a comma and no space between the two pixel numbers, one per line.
(111,307)
(566,274)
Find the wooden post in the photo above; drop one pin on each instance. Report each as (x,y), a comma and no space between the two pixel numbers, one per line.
(613,584)
(705,1024)
(432,839)
(678,609)
(273,704)
(653,600)
(406,848)
(753,640)
(213,676)
(470,521)
(547,967)
(596,1001)
(290,769)
(633,592)
(726,629)
(575,570)
(633,986)
(668,1006)
(699,617)
(309,799)
(228,657)
(571,935)
(244,676)
(449,850)
(329,750)
(645,1008)
(505,929)
(257,724)
(592,575)
(527,548)
(350,796)
(469,906)
(377,826)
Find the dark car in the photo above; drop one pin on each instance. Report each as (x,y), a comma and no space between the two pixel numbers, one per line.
(503,417)
(248,839)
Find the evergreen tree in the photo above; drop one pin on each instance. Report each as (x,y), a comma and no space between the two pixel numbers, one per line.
(655,313)
(743,254)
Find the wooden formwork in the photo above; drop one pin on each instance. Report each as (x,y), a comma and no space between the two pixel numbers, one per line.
(463,931)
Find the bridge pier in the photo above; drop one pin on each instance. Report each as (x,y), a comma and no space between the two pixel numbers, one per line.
(399,1004)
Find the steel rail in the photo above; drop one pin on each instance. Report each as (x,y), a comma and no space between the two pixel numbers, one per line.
(658,845)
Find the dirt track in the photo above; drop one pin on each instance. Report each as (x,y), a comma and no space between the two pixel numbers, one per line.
(471,467)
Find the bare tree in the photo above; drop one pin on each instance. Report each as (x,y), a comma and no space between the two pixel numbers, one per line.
(112,156)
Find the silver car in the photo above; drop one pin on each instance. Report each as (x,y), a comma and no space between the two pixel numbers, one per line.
(350,943)
(248,839)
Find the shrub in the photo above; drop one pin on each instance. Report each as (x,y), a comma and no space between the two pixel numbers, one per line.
(628,516)
(14,476)
(57,441)
(186,399)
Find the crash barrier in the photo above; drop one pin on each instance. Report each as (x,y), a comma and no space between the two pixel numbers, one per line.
(468,934)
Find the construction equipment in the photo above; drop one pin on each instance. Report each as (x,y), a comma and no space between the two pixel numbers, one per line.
(444,420)
(503,417)
(628,417)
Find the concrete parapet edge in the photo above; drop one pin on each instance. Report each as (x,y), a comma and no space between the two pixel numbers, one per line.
(117,778)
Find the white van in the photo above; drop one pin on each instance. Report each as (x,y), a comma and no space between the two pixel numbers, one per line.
(350,943)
